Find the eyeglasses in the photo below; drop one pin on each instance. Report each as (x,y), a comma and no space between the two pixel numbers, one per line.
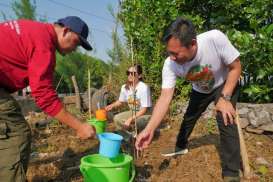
(133,73)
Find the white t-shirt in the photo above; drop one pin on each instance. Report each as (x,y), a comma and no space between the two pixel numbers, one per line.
(208,69)
(143,96)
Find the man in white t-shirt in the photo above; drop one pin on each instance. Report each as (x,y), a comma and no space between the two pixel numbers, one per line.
(211,63)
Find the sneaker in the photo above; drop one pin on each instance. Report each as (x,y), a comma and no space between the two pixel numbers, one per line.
(231,179)
(174,151)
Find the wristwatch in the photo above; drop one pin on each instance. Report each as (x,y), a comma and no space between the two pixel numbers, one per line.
(226,97)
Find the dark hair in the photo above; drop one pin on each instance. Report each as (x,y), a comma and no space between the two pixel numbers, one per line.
(181,29)
(139,72)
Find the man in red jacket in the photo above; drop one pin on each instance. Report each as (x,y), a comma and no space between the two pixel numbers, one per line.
(27,57)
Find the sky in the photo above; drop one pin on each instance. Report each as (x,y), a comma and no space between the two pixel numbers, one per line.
(94,12)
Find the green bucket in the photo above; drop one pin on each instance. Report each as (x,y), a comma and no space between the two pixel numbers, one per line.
(99,125)
(96,168)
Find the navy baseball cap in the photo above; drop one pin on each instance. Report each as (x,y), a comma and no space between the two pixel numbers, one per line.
(78,26)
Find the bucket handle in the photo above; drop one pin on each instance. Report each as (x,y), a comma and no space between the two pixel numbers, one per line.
(133,172)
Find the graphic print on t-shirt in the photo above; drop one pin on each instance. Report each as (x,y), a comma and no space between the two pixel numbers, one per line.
(201,76)
(133,103)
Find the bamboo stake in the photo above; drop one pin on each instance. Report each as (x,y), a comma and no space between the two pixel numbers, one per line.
(245,161)
(89,93)
(137,153)
(59,82)
(77,93)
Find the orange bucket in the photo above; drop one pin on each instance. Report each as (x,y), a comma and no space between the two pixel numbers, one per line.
(101,114)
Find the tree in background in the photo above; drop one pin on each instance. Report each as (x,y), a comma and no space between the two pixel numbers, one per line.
(119,56)
(24,9)
(247,23)
(78,64)
(3,16)
(145,22)
(116,54)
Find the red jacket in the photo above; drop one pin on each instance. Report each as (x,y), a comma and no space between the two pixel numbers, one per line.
(27,57)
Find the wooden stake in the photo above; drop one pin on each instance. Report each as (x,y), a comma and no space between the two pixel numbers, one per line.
(89,93)
(77,93)
(136,152)
(245,161)
(59,82)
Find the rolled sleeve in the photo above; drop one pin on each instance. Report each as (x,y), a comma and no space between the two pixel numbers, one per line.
(122,95)
(40,71)
(168,75)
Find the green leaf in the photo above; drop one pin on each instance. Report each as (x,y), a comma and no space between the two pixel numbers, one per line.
(269,29)
(261,74)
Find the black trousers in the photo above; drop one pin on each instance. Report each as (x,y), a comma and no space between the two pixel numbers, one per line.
(229,138)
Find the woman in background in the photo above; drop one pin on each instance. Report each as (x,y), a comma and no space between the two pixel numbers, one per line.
(138,97)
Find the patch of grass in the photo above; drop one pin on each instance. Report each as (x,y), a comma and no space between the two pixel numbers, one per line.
(211,125)
(54,122)
(46,148)
(265,179)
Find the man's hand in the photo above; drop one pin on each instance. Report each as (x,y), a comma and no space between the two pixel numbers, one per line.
(224,106)
(86,131)
(144,139)
(227,110)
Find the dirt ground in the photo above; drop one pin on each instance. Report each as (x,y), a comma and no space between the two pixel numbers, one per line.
(56,153)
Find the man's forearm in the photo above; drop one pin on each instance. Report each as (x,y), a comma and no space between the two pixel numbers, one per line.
(160,110)
(65,117)
(232,77)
